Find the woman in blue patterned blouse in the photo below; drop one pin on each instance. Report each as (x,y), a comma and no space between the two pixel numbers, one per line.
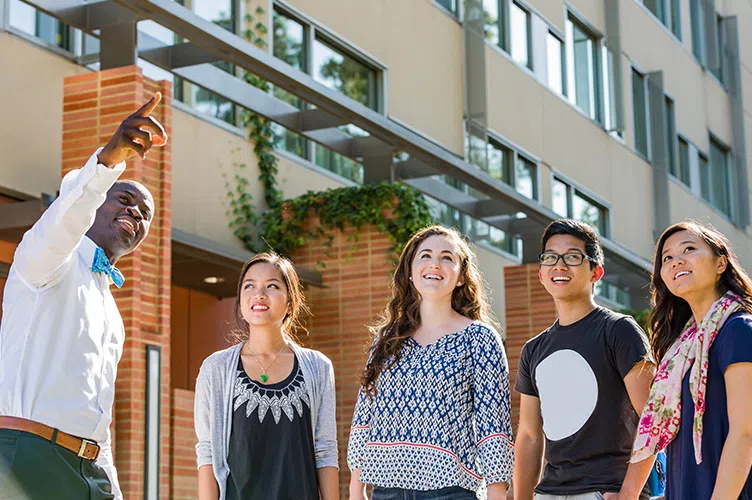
(432,420)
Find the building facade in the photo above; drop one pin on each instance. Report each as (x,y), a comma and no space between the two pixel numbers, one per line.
(627,114)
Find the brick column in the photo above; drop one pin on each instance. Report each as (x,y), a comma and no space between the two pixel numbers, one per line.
(94,105)
(530,310)
(355,292)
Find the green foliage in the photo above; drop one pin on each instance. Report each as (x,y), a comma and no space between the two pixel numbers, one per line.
(395,209)
(641,316)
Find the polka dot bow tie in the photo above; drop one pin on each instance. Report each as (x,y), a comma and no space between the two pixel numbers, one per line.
(102,264)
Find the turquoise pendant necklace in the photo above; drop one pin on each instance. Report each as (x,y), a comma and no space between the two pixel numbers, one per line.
(264,377)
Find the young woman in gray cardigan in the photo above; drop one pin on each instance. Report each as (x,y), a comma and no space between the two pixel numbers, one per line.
(265,408)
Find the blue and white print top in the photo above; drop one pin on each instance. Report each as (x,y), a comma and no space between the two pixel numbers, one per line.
(441,416)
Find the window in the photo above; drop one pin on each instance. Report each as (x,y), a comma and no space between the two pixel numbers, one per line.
(507,165)
(450,5)
(684,175)
(499,159)
(670,130)
(33,22)
(640,110)
(475,229)
(525,178)
(583,69)
(720,177)
(704,169)
(697,17)
(164,35)
(568,201)
(333,67)
(495,22)
(290,45)
(555,56)
(719,46)
(613,293)
(700,37)
(345,74)
(224,14)
(520,31)
(559,198)
(668,12)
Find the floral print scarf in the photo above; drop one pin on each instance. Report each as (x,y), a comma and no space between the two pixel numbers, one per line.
(661,416)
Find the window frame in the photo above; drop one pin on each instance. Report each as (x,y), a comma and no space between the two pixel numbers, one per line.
(672,143)
(647,154)
(514,152)
(185,92)
(313,29)
(596,87)
(563,61)
(75,35)
(528,33)
(574,189)
(697,30)
(668,17)
(455,15)
(731,197)
(314,32)
(720,33)
(679,140)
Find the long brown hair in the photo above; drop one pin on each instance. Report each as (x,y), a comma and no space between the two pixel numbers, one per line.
(401,318)
(296,301)
(671,313)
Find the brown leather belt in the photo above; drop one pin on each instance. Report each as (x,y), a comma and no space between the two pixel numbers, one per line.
(84,448)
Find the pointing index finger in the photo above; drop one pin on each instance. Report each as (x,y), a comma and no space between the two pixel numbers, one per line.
(149,106)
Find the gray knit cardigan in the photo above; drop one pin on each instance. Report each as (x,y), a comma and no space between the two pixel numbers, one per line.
(213,408)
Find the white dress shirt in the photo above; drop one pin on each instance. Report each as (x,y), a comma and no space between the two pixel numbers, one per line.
(62,335)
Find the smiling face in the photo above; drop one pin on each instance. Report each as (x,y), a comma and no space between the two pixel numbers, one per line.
(568,282)
(689,267)
(263,297)
(123,220)
(436,267)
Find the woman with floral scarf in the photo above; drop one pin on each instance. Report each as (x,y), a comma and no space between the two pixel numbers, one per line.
(700,404)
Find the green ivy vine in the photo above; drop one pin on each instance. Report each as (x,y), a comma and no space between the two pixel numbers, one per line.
(395,209)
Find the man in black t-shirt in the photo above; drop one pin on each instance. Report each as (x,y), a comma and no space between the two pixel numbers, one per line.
(583,382)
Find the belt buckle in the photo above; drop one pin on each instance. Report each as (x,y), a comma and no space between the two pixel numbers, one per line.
(82,451)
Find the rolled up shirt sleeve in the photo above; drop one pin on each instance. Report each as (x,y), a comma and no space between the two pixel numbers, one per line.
(48,246)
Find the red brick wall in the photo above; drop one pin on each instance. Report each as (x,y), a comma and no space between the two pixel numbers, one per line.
(530,310)
(355,292)
(183,472)
(94,104)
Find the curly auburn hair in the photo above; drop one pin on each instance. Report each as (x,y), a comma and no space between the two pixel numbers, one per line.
(401,318)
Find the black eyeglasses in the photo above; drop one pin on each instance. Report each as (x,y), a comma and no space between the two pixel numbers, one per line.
(570,259)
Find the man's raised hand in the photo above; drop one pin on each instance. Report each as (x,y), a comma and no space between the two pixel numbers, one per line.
(135,136)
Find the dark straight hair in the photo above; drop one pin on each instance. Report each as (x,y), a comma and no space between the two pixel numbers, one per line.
(296,301)
(582,232)
(671,313)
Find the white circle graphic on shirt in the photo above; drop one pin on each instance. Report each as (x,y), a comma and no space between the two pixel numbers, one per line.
(568,392)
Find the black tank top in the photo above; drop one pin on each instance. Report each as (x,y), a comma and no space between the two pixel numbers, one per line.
(271,455)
